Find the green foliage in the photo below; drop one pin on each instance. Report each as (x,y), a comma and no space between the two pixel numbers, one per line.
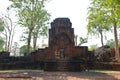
(1,25)
(111,9)
(44,45)
(33,17)
(83,40)
(2,43)
(93,47)
(104,14)
(23,49)
(97,20)
(111,43)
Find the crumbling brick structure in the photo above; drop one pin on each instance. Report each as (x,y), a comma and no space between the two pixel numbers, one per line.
(61,43)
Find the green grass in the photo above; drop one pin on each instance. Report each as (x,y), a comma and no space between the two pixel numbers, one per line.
(28,70)
(105,71)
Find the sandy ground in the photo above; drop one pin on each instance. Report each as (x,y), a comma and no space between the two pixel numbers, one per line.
(36,75)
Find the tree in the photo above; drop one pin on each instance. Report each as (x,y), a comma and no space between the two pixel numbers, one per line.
(82,40)
(32,16)
(8,30)
(110,10)
(97,24)
(41,27)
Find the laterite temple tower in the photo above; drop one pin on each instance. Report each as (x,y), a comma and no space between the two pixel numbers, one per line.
(61,40)
(61,44)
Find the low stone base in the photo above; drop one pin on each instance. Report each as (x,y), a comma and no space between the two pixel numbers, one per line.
(64,65)
(107,66)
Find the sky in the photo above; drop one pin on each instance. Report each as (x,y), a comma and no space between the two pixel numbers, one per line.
(75,10)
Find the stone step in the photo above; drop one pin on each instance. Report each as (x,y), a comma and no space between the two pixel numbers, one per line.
(62,68)
(62,65)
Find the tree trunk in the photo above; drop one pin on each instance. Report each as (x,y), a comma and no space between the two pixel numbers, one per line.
(6,43)
(116,43)
(35,36)
(76,40)
(9,39)
(101,34)
(29,41)
(34,42)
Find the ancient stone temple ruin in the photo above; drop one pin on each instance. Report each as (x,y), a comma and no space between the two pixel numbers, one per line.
(61,42)
(61,47)
(61,53)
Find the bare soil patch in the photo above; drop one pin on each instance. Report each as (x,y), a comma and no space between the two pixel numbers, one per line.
(40,75)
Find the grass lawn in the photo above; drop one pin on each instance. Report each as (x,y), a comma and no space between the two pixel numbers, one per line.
(21,70)
(104,71)
(29,70)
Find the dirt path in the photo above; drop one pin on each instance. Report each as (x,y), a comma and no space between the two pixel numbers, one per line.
(28,75)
